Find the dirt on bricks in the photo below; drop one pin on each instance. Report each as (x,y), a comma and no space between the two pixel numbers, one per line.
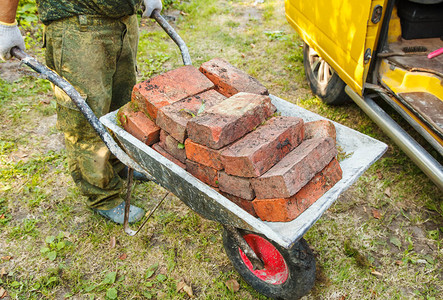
(168,88)
(219,124)
(261,149)
(174,118)
(229,80)
(138,124)
(287,209)
(230,119)
(295,170)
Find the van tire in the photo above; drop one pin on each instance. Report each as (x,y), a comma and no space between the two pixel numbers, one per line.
(329,88)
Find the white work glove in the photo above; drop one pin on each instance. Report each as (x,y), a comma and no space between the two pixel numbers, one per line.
(10,37)
(150,6)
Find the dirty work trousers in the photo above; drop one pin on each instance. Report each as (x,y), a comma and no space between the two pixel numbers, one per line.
(97,56)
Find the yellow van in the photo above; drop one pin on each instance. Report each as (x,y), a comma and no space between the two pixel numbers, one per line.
(390,49)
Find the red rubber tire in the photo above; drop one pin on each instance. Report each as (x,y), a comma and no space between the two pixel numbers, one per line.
(288,273)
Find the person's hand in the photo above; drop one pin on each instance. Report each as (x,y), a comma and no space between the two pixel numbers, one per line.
(10,37)
(150,6)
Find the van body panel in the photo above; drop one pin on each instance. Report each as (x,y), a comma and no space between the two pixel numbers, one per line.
(340,32)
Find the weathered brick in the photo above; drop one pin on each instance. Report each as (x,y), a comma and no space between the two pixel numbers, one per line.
(172,146)
(168,88)
(203,155)
(320,129)
(206,174)
(258,151)
(230,119)
(287,209)
(174,117)
(237,186)
(163,152)
(295,170)
(138,124)
(230,80)
(243,203)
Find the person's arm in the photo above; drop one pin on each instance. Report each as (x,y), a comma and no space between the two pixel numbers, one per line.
(8,10)
(10,35)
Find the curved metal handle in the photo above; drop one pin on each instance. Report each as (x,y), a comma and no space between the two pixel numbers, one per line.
(174,36)
(81,104)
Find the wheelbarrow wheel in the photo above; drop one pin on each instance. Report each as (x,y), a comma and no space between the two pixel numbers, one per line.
(323,80)
(287,273)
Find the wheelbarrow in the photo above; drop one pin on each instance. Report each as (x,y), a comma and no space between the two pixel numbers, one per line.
(272,257)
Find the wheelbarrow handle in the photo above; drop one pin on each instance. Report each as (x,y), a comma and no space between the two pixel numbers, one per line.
(81,104)
(174,36)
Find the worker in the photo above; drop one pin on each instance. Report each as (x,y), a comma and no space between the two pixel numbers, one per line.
(93,45)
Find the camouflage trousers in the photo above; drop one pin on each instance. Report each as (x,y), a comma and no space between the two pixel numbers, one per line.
(97,56)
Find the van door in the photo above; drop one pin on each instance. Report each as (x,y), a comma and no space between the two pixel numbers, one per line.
(344,33)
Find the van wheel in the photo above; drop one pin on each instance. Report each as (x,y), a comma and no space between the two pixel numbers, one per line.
(323,80)
(287,274)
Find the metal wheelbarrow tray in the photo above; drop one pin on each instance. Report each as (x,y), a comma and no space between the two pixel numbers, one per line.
(362,150)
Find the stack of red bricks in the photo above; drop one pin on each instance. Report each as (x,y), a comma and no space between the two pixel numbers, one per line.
(219,124)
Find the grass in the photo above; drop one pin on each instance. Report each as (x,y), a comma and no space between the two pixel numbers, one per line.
(53,247)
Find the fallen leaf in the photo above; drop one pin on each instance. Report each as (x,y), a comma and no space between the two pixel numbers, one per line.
(376,214)
(7,257)
(123,256)
(388,192)
(180,286)
(112,242)
(376,273)
(3,293)
(188,290)
(2,272)
(232,285)
(342,297)
(379,174)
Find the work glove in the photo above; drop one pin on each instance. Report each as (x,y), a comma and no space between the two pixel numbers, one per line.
(10,37)
(150,6)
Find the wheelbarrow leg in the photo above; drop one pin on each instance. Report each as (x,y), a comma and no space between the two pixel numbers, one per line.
(257,264)
(126,227)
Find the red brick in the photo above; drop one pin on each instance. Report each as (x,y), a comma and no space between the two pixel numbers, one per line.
(163,152)
(285,210)
(173,118)
(138,124)
(320,129)
(172,146)
(169,87)
(229,80)
(295,170)
(206,174)
(230,120)
(203,155)
(237,186)
(243,203)
(258,151)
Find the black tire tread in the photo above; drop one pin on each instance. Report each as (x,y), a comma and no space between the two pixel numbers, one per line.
(299,259)
(334,93)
